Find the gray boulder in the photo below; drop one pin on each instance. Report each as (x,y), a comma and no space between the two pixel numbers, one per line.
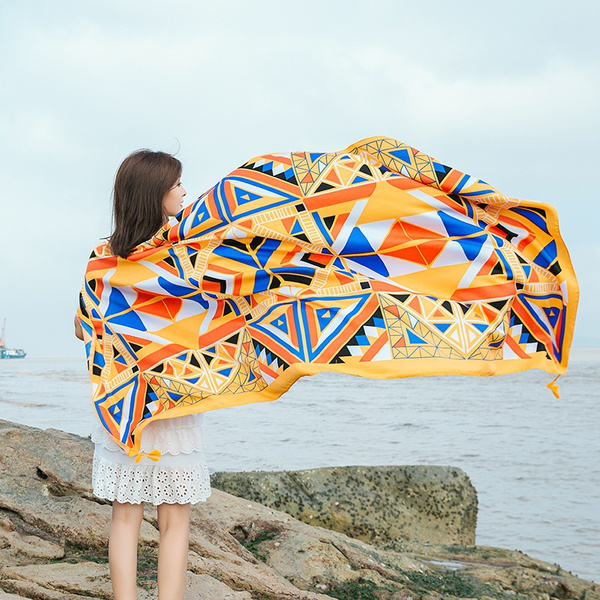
(425,504)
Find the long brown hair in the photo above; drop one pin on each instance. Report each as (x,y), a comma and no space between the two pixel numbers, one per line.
(141,183)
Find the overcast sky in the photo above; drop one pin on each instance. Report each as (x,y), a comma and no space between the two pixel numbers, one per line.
(506,91)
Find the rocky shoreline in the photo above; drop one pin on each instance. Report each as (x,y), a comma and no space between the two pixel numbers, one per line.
(53,534)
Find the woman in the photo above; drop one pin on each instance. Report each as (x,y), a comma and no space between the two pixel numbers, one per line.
(147,192)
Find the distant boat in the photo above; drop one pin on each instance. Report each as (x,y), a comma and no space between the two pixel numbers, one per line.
(9,352)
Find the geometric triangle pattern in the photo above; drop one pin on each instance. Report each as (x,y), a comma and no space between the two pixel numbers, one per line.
(378,261)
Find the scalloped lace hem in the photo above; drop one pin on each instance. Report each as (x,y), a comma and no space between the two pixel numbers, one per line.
(150,483)
(181,435)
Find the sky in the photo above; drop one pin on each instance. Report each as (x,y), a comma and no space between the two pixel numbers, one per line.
(506,91)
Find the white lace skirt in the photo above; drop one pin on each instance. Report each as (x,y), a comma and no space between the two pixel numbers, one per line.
(179,477)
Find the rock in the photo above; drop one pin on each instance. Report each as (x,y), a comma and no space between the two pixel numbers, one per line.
(26,545)
(45,477)
(82,579)
(205,586)
(53,537)
(7,596)
(427,504)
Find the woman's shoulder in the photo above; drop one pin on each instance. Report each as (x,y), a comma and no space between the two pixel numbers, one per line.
(102,249)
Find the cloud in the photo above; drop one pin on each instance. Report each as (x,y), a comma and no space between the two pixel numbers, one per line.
(506,92)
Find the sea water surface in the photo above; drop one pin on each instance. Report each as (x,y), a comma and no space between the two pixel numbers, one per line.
(534,460)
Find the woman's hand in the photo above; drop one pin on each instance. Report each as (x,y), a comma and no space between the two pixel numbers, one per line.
(78,329)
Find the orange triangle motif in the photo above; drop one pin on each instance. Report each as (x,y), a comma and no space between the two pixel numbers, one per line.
(489,313)
(288,223)
(396,237)
(431,250)
(411,254)
(415,232)
(415,304)
(392,308)
(230,349)
(401,343)
(332,177)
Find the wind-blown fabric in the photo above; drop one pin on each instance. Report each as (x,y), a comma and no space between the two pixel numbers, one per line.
(376,261)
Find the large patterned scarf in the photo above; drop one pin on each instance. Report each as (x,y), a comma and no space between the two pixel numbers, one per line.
(376,261)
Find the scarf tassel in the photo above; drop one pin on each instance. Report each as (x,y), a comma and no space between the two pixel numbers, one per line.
(554,387)
(154,455)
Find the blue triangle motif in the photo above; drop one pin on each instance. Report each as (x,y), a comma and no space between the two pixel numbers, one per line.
(325,316)
(401,154)
(372,262)
(472,246)
(174,289)
(456,227)
(357,243)
(115,409)
(244,196)
(117,303)
(413,338)
(296,228)
(201,215)
(281,324)
(552,314)
(547,256)
(129,319)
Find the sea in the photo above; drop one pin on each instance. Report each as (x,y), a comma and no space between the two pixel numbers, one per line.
(534,460)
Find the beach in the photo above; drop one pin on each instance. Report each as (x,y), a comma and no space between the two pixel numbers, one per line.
(532,459)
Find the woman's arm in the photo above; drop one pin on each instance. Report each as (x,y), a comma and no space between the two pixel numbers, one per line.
(78,329)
